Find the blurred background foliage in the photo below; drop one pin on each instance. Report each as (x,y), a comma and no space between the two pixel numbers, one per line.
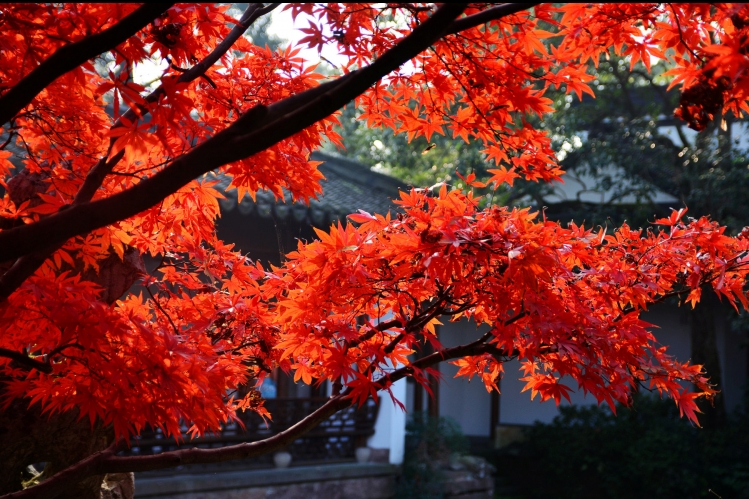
(628,126)
(430,442)
(645,451)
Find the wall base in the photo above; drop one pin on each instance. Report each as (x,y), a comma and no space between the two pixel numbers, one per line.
(333,481)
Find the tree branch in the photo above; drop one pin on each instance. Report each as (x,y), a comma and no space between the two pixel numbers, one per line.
(487,15)
(103,168)
(71,56)
(475,348)
(26,361)
(108,462)
(26,265)
(229,145)
(382,326)
(257,130)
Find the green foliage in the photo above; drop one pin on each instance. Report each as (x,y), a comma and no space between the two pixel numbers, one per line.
(418,162)
(630,125)
(646,451)
(429,443)
(621,140)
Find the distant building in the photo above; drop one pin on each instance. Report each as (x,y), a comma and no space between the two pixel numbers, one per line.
(266,229)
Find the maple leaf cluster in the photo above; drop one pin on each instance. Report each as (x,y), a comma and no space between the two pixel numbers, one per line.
(98,168)
(564,301)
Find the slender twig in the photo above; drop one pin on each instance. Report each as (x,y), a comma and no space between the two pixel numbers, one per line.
(69,57)
(11,134)
(258,129)
(158,306)
(26,265)
(59,349)
(681,36)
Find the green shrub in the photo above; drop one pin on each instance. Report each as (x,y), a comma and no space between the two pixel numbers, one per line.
(429,443)
(646,451)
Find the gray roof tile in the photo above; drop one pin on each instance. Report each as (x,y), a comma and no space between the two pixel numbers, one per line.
(348,186)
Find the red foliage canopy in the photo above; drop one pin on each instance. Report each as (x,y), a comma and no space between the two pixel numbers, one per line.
(99,170)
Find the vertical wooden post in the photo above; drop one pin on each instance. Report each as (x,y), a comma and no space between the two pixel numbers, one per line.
(433,403)
(283,384)
(494,417)
(418,397)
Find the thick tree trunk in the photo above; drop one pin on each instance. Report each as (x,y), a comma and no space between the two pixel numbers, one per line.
(30,438)
(705,352)
(118,486)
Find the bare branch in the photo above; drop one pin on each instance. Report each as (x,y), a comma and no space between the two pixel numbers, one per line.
(26,361)
(229,145)
(108,462)
(26,265)
(71,56)
(487,15)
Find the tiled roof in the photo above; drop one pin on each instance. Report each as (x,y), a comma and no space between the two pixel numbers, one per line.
(348,186)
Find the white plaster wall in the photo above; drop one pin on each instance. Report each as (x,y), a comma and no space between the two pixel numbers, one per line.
(465,401)
(518,408)
(470,404)
(390,427)
(674,331)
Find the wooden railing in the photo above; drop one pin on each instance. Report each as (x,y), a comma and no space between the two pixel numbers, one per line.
(334,440)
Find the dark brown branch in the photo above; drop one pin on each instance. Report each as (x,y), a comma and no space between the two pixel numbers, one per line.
(11,135)
(71,56)
(59,349)
(696,58)
(26,361)
(394,343)
(487,15)
(161,309)
(102,169)
(26,265)
(382,326)
(107,462)
(229,145)
(243,139)
(474,348)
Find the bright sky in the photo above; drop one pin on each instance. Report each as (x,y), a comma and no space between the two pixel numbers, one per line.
(284,27)
(281,25)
